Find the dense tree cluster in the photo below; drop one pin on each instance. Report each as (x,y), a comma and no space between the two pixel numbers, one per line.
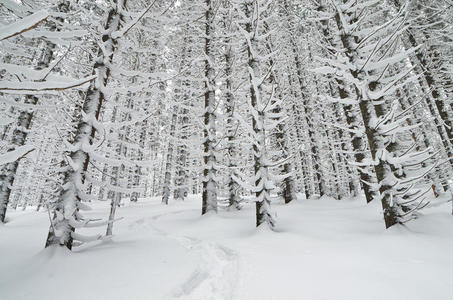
(236,100)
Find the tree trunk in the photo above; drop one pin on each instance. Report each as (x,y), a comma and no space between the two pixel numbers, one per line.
(209,194)
(23,124)
(67,216)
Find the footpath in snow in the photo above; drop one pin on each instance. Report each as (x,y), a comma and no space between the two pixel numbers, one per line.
(322,249)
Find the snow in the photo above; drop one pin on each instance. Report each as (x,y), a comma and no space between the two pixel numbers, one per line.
(15,7)
(5,120)
(16,154)
(56,34)
(32,87)
(23,25)
(321,249)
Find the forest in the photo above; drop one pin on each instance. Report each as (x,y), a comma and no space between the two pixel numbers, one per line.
(190,124)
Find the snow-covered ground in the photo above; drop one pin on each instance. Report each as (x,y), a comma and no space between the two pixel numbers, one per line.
(323,249)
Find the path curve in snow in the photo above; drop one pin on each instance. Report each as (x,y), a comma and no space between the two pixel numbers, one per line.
(217,277)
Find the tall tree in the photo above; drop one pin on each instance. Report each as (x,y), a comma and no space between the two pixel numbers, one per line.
(262,102)
(67,217)
(367,59)
(209,193)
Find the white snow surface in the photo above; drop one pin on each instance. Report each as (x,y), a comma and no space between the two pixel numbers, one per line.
(321,249)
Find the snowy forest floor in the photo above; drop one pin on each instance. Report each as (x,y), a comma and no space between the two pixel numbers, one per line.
(323,249)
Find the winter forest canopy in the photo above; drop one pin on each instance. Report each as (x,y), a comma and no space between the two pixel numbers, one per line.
(243,102)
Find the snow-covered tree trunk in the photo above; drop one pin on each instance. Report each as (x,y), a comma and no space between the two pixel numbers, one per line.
(304,98)
(181,174)
(403,96)
(169,159)
(67,217)
(289,190)
(346,147)
(382,128)
(113,205)
(358,145)
(180,181)
(307,110)
(262,103)
(232,184)
(9,171)
(354,125)
(230,103)
(424,60)
(24,121)
(209,193)
(295,115)
(281,137)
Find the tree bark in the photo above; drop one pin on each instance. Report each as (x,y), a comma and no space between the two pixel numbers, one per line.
(209,193)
